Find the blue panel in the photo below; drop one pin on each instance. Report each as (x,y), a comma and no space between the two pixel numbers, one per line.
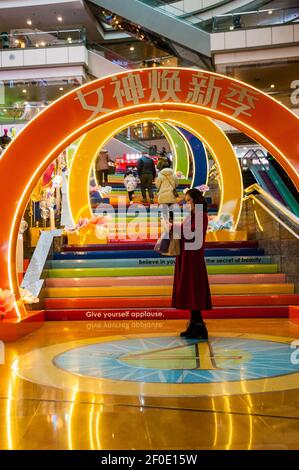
(152,254)
(200,160)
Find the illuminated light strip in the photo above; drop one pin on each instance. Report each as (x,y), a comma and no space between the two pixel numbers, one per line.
(272,214)
(273,201)
(256,217)
(227,154)
(289,167)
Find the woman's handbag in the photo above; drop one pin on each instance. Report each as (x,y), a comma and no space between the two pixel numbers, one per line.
(174,190)
(174,248)
(162,244)
(167,245)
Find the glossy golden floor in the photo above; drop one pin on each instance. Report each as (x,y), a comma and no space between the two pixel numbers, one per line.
(34,416)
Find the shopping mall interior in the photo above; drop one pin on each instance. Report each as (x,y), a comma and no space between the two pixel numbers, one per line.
(103,103)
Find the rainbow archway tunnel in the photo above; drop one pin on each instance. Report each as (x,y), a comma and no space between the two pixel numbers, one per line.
(116,96)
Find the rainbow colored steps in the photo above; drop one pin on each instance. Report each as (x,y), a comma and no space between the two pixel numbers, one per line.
(112,283)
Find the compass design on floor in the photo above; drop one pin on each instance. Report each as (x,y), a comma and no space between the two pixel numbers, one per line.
(175,360)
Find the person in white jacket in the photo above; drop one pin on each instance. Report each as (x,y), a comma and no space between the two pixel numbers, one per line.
(130,183)
(166,183)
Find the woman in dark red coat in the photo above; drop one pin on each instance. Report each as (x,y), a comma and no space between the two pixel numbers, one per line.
(191,289)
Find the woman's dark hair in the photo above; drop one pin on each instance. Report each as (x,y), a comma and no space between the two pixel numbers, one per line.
(198,198)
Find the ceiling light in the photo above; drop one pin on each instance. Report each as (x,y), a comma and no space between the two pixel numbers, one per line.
(61,88)
(270,12)
(231,28)
(42,44)
(17,41)
(24,91)
(132,48)
(59,18)
(272,85)
(29,22)
(36,45)
(4,110)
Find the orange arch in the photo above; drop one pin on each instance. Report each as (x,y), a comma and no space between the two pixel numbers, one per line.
(253,112)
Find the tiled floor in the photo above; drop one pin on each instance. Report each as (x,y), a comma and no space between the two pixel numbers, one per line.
(35,416)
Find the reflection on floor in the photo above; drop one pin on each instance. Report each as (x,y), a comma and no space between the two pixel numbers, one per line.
(137,385)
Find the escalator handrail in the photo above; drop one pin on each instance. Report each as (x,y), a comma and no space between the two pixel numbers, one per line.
(272,201)
(284,192)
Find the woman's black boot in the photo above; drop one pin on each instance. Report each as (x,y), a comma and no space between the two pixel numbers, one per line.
(190,326)
(198,331)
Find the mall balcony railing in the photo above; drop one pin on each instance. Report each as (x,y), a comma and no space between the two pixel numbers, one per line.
(36,39)
(254,19)
(124,61)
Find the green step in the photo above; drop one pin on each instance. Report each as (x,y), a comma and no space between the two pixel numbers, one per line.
(157,271)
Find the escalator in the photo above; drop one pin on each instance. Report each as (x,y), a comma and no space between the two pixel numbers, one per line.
(177,36)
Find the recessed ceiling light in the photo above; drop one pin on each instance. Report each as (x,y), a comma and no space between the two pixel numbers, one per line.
(29,22)
(272,85)
(59,18)
(270,12)
(132,48)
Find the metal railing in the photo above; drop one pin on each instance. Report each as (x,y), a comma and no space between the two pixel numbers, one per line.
(254,19)
(124,61)
(24,39)
(273,207)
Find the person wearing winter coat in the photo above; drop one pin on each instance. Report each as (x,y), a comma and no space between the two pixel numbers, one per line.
(102,167)
(130,183)
(166,183)
(147,173)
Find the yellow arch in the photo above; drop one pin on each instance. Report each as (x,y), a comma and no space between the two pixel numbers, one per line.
(201,126)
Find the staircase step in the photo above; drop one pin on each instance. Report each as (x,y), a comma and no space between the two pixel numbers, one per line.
(160,261)
(141,291)
(115,245)
(153,254)
(152,302)
(162,280)
(157,270)
(163,313)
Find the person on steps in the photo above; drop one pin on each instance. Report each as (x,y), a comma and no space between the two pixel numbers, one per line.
(130,183)
(147,173)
